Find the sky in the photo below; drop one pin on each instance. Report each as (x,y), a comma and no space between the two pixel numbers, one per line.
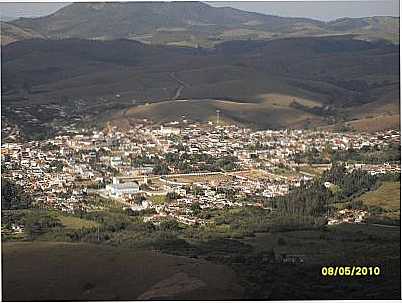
(321,10)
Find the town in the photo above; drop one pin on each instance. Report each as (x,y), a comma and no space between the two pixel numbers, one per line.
(178,168)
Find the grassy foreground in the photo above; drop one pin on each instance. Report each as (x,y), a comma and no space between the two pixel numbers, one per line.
(43,271)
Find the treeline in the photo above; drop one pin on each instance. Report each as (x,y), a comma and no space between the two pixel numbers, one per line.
(370,155)
(306,200)
(312,156)
(13,196)
(188,163)
(350,184)
(35,222)
(318,198)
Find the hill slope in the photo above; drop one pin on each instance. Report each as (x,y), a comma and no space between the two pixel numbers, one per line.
(111,274)
(10,33)
(52,81)
(192,24)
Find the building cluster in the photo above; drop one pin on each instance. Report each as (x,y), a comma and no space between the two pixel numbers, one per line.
(375,169)
(64,171)
(348,216)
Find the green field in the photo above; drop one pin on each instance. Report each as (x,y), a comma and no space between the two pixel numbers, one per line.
(43,271)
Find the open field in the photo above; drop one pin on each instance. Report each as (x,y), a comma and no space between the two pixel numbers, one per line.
(70,222)
(386,196)
(283,100)
(267,114)
(43,271)
(309,169)
(376,123)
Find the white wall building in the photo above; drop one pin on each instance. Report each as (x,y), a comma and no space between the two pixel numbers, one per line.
(118,189)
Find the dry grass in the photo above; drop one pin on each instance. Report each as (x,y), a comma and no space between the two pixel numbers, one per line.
(386,196)
(48,271)
(376,123)
(282,100)
(76,223)
(264,114)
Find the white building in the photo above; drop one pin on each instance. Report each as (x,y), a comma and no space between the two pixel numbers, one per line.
(169,130)
(118,189)
(116,161)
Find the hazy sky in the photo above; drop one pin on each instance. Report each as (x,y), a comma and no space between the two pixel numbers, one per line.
(322,10)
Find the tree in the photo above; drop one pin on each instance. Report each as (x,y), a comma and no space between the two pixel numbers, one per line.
(37,223)
(13,196)
(161,169)
(195,208)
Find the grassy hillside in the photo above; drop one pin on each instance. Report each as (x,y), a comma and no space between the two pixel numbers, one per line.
(373,124)
(387,196)
(194,24)
(265,115)
(266,83)
(48,271)
(11,33)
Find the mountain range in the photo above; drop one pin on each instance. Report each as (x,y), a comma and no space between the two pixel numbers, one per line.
(188,24)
